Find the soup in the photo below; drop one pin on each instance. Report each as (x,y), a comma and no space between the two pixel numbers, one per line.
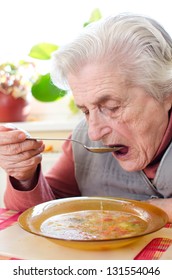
(93,225)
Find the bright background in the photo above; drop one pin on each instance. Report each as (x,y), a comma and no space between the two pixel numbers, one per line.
(24,23)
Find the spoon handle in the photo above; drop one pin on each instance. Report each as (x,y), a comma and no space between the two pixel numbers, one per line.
(51,139)
(56,139)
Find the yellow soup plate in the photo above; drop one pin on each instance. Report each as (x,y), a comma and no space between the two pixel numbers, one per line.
(43,220)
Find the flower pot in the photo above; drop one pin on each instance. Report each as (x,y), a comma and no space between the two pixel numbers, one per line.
(13,109)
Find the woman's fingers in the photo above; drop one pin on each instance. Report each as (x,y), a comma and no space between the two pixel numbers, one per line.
(19,157)
(24,170)
(10,135)
(21,147)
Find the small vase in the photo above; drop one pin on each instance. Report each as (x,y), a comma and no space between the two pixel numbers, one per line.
(13,109)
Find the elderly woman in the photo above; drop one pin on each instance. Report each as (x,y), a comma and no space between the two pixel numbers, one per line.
(119,70)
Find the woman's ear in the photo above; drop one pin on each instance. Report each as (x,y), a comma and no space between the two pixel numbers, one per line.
(168,103)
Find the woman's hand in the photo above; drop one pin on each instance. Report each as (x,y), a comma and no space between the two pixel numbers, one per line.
(19,157)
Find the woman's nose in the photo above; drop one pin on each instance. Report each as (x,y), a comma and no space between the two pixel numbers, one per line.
(97,128)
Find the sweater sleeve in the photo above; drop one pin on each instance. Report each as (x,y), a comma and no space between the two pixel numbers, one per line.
(59,182)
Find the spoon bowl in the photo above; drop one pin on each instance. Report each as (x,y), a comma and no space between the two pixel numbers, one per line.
(103,149)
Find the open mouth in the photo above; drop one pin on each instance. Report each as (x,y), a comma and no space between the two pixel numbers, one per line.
(122,151)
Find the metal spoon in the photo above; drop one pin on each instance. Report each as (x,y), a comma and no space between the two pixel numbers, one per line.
(90,149)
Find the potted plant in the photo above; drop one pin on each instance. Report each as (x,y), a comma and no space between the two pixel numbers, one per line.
(15,83)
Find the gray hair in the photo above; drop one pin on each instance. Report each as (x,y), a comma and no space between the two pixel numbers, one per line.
(136,46)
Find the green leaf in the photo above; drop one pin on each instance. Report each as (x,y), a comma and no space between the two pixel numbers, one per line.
(45,91)
(42,51)
(95,15)
(74,109)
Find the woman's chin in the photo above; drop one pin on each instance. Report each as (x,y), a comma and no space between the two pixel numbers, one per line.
(130,165)
(129,161)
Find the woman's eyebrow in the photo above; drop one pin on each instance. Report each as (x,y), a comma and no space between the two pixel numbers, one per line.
(100,100)
(80,106)
(105,98)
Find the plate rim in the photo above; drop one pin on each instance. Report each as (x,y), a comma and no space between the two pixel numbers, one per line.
(24,215)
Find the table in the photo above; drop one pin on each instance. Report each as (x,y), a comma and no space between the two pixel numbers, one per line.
(17,244)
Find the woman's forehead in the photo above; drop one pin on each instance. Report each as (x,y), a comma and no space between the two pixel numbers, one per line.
(94,78)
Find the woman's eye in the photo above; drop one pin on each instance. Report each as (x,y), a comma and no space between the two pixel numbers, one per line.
(85,112)
(113,109)
(107,110)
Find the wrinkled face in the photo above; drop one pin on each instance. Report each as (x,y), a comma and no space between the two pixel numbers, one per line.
(118,115)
